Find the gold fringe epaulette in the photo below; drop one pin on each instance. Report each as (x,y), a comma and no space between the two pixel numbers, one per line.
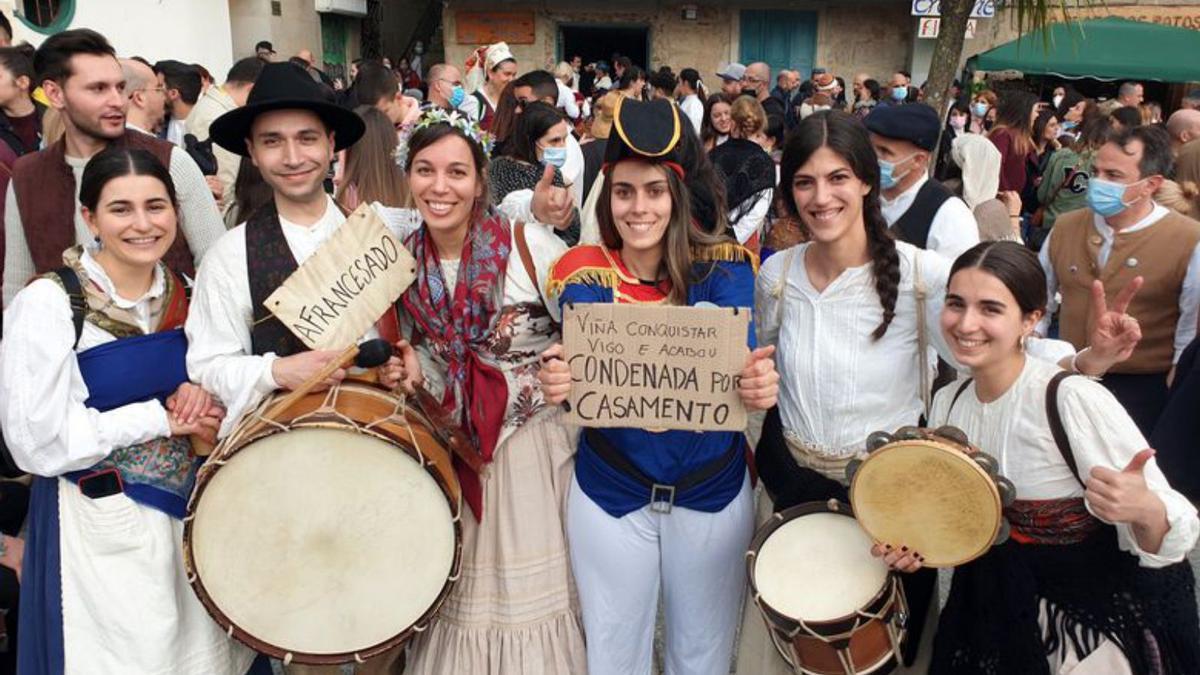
(582,265)
(727,252)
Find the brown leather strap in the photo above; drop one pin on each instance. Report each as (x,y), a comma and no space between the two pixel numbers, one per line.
(1056,424)
(523,251)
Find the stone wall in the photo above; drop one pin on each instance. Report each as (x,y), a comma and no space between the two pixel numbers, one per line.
(875,37)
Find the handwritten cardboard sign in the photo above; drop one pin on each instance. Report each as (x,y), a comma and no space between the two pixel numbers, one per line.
(656,367)
(343,288)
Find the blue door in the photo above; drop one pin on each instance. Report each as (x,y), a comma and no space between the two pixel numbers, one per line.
(780,38)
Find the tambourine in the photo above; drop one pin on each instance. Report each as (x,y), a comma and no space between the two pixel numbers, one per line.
(932,491)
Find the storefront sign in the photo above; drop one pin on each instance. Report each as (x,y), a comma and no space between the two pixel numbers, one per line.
(1179,17)
(928,27)
(982,9)
(485,28)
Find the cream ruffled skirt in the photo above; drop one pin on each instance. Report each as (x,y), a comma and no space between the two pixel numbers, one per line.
(514,611)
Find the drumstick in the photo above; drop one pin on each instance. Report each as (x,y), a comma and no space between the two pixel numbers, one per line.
(366,355)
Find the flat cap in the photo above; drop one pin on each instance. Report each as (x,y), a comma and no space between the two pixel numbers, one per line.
(913,122)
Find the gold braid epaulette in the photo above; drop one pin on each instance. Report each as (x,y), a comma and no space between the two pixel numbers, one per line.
(581,265)
(726,252)
(587,275)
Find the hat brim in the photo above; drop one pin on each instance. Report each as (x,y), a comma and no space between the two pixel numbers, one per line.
(231,130)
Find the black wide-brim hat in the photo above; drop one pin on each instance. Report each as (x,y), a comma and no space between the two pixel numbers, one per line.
(647,130)
(285,86)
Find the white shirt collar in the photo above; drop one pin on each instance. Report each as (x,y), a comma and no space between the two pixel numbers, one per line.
(1156,214)
(908,195)
(97,274)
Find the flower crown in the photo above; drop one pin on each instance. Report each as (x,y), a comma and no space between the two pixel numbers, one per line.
(463,123)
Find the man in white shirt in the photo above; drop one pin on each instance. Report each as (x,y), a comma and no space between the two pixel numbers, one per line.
(1122,236)
(84,83)
(237,349)
(919,209)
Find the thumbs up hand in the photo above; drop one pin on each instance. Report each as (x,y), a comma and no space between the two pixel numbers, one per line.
(552,205)
(1123,497)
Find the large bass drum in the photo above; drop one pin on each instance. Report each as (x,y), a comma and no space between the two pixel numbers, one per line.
(330,535)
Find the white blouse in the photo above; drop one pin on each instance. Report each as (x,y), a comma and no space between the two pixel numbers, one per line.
(46,425)
(126,605)
(837,384)
(1015,430)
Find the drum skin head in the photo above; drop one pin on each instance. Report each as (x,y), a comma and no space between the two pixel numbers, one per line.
(818,567)
(323,540)
(930,497)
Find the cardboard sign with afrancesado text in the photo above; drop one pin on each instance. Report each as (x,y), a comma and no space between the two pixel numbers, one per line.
(339,293)
(656,366)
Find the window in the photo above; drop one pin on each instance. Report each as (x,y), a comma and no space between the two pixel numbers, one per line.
(46,16)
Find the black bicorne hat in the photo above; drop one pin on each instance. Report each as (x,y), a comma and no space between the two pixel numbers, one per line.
(647,130)
(285,86)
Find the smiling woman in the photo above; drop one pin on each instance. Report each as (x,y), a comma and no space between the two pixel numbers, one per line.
(650,509)
(478,316)
(1095,518)
(95,403)
(853,314)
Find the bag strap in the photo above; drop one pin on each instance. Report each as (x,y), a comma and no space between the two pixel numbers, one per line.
(963,387)
(780,289)
(523,250)
(920,292)
(1057,430)
(70,282)
(1063,184)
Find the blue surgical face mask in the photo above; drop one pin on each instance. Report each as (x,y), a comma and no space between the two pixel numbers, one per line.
(457,94)
(887,171)
(1108,198)
(979,109)
(899,94)
(1068,125)
(556,157)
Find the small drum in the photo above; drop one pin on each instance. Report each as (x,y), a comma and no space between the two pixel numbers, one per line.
(831,608)
(330,535)
(932,491)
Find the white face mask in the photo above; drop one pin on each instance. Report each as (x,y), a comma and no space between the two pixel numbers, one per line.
(1057,100)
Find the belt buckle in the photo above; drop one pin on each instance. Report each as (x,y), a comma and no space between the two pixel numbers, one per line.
(662,506)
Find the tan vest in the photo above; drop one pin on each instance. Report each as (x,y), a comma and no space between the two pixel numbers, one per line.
(1159,253)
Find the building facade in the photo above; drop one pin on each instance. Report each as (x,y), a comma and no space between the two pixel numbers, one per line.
(213,33)
(845,36)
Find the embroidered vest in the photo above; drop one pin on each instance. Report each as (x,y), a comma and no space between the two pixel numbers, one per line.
(45,189)
(269,262)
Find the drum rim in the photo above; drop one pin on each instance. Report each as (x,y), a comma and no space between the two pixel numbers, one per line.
(878,602)
(963,453)
(323,421)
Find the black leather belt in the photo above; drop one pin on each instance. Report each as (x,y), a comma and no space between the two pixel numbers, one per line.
(662,496)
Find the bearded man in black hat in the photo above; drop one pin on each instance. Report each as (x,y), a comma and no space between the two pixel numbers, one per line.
(235,346)
(919,209)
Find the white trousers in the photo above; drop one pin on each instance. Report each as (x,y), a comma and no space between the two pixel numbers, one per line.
(697,558)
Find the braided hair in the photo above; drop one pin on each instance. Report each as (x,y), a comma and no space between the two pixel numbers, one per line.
(846,136)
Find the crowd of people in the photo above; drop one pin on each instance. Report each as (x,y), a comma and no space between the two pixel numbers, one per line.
(903,266)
